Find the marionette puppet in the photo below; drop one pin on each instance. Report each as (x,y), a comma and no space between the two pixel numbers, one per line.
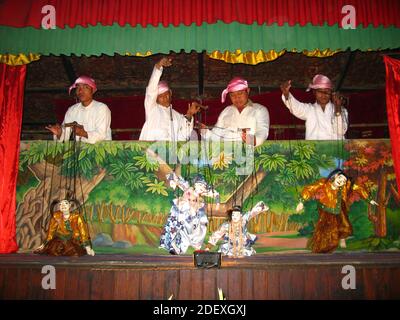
(237,241)
(187,222)
(67,234)
(334,196)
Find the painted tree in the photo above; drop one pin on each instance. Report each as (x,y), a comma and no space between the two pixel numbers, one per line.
(43,160)
(371,165)
(67,168)
(287,167)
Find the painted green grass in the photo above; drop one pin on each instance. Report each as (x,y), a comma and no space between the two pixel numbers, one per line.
(370,244)
(136,249)
(277,249)
(287,236)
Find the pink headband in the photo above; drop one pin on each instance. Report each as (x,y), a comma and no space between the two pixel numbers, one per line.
(163,87)
(84,80)
(236,84)
(320,82)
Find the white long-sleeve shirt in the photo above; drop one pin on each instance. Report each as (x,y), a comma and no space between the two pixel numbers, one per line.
(320,124)
(95,119)
(162,123)
(231,122)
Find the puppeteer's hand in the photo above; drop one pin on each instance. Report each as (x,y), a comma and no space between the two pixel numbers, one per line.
(164,62)
(248,138)
(80,131)
(201,126)
(55,129)
(285,88)
(337,100)
(89,251)
(193,108)
(374,203)
(300,207)
(208,246)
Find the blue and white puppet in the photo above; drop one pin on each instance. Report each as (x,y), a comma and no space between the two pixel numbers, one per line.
(187,222)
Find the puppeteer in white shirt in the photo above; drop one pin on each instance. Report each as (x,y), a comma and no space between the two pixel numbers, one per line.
(325,119)
(242,119)
(162,122)
(95,118)
(89,119)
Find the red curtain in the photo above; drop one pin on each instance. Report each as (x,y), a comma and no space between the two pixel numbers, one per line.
(12,80)
(393,110)
(22,13)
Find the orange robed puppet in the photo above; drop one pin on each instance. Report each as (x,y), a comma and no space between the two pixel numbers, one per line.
(332,194)
(67,234)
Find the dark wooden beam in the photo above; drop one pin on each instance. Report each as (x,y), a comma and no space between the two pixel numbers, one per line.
(69,68)
(200,59)
(345,68)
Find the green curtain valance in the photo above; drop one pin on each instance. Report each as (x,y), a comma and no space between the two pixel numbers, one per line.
(222,37)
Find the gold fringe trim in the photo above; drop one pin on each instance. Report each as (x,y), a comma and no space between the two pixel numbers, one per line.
(238,56)
(139,54)
(248,57)
(262,56)
(319,53)
(18,60)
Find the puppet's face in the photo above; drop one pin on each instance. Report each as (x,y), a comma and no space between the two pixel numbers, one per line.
(65,206)
(193,199)
(200,188)
(340,181)
(193,204)
(236,215)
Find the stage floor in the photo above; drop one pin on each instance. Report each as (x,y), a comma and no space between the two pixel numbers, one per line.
(259,261)
(261,277)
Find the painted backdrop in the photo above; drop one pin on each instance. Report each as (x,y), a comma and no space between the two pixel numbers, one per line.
(126,197)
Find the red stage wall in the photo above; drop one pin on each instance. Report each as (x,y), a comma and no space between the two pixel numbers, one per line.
(128,112)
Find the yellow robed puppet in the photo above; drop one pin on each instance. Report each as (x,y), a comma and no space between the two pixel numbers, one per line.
(67,234)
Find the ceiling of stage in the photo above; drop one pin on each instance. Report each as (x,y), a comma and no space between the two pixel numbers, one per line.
(122,75)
